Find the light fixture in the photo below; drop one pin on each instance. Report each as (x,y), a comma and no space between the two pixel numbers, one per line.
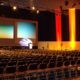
(1,3)
(14,7)
(33,8)
(37,11)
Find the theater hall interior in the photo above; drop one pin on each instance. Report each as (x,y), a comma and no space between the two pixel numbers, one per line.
(39,39)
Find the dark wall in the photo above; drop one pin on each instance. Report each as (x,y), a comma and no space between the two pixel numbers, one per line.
(47,29)
(77,25)
(65,27)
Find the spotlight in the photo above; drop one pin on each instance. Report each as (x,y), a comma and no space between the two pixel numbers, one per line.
(33,8)
(14,8)
(1,3)
(26,42)
(37,11)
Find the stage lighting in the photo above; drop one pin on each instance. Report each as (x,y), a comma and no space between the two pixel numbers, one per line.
(1,3)
(14,8)
(37,11)
(72,26)
(26,42)
(33,8)
(58,24)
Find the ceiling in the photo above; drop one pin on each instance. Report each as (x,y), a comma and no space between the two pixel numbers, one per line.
(42,4)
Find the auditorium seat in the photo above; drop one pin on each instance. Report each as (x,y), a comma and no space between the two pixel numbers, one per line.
(45,61)
(79,54)
(42,76)
(66,63)
(33,66)
(38,61)
(1,78)
(73,62)
(65,58)
(78,62)
(51,75)
(66,73)
(70,58)
(20,76)
(32,78)
(22,68)
(42,65)
(72,72)
(59,74)
(78,71)
(12,64)
(9,78)
(4,60)
(51,65)
(22,79)
(52,60)
(75,58)
(11,69)
(59,59)
(59,63)
(3,64)
(21,63)
(1,70)
(76,55)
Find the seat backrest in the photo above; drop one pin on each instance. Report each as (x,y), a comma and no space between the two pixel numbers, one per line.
(11,69)
(59,63)
(43,65)
(66,63)
(33,66)
(1,70)
(22,68)
(51,65)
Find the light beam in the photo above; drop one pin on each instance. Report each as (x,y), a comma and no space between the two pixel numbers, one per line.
(72,27)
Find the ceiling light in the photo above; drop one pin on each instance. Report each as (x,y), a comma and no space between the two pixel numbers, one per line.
(33,8)
(14,7)
(2,3)
(37,11)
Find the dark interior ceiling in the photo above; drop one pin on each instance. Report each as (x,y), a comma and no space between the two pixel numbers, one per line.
(42,4)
